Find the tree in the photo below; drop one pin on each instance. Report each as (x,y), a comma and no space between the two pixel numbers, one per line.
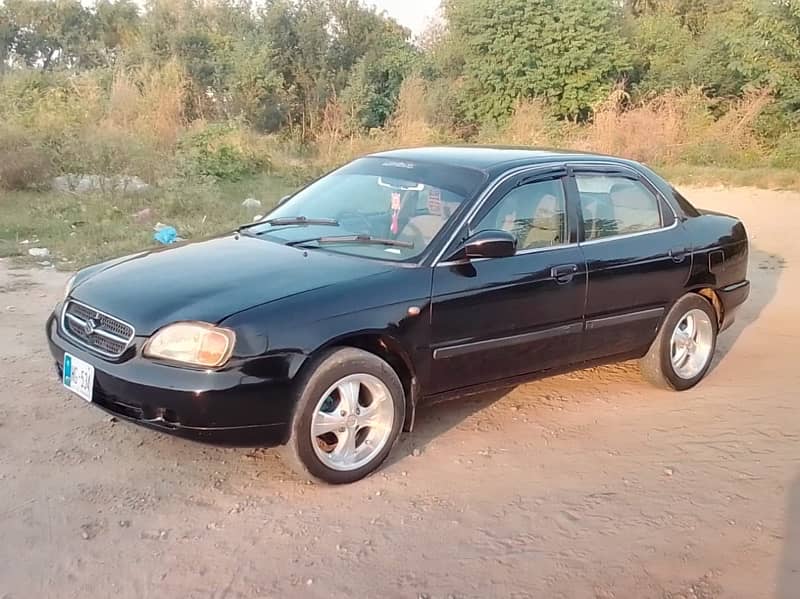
(745,45)
(8,33)
(568,52)
(117,24)
(322,48)
(374,84)
(357,31)
(65,34)
(298,38)
(370,57)
(775,49)
(51,34)
(669,55)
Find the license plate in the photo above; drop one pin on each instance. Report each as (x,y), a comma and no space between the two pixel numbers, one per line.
(78,376)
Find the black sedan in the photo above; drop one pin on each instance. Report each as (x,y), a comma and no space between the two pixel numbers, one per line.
(402,277)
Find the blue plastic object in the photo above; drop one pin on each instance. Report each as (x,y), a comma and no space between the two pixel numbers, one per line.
(166,235)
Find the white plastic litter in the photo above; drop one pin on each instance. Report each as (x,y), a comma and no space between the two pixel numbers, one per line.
(251,203)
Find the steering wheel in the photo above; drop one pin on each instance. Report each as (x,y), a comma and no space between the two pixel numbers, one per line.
(344,216)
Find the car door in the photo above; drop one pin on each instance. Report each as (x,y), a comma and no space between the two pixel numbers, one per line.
(504,317)
(638,258)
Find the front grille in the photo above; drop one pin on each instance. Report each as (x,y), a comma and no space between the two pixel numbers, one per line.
(96,330)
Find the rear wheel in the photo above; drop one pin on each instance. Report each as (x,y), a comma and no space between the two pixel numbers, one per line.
(681,354)
(348,417)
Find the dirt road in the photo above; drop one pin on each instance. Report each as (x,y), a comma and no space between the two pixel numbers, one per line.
(592,485)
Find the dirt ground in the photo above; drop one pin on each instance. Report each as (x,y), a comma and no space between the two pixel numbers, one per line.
(591,485)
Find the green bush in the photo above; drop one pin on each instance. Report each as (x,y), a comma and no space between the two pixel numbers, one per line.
(787,151)
(110,152)
(222,152)
(24,162)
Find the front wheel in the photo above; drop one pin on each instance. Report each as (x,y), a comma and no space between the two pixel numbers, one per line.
(349,414)
(681,354)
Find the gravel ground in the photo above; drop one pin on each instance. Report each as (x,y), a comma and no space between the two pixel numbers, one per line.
(590,485)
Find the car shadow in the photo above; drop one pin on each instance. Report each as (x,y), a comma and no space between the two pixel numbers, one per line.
(764,271)
(789,568)
(432,420)
(435,419)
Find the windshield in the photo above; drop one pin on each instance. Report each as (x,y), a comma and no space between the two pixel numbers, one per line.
(390,209)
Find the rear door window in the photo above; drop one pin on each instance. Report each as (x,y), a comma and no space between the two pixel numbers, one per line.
(613,205)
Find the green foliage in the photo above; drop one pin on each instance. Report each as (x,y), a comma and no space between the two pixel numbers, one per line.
(711,52)
(661,46)
(371,57)
(110,87)
(775,49)
(277,64)
(565,51)
(107,152)
(786,153)
(256,92)
(52,35)
(23,163)
(694,15)
(374,85)
(220,152)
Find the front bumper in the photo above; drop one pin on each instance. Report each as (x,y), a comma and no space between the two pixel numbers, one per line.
(228,407)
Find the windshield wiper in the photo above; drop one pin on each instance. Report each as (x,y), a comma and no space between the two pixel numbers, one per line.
(366,239)
(292,220)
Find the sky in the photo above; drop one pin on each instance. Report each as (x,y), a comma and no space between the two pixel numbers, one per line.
(414,14)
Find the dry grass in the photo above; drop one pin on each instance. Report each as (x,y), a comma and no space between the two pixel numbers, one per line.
(22,163)
(673,128)
(531,124)
(94,123)
(150,103)
(133,122)
(408,126)
(656,130)
(337,138)
(334,130)
(676,127)
(762,177)
(676,132)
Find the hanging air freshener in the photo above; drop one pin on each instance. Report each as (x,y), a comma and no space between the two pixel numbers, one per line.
(396,201)
(435,203)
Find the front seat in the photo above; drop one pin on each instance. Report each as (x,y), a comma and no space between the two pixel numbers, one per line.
(421,229)
(547,226)
(513,215)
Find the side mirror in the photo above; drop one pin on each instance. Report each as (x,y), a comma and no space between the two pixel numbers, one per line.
(487,244)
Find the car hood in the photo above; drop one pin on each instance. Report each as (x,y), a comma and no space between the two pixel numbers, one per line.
(212,280)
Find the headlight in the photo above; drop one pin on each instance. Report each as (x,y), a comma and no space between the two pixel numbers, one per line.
(68,287)
(195,343)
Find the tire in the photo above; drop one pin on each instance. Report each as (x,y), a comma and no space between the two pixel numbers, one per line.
(658,366)
(360,398)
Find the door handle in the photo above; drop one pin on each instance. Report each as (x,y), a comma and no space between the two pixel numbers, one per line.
(564,273)
(678,254)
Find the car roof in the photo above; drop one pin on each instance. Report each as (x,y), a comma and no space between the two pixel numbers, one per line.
(492,158)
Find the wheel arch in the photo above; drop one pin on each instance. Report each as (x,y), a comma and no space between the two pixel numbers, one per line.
(713,298)
(390,350)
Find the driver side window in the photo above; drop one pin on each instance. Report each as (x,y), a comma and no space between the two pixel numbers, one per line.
(534,213)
